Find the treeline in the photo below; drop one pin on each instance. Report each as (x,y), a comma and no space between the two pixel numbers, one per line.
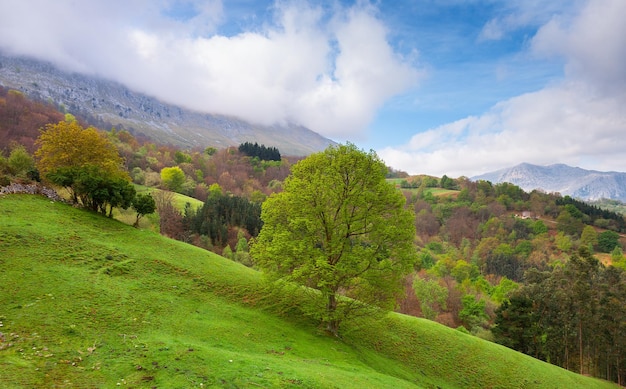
(573,316)
(595,215)
(261,152)
(424,182)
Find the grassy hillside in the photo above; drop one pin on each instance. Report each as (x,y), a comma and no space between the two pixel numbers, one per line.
(152,221)
(91,302)
(178,200)
(437,192)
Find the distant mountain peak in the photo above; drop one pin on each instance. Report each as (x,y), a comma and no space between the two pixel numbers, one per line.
(564,179)
(113,103)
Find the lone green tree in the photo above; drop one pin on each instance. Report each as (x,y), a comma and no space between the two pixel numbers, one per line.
(143,204)
(341,230)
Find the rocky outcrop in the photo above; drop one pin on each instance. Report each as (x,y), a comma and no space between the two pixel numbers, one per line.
(33,189)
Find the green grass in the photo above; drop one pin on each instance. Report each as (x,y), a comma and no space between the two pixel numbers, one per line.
(151,221)
(437,192)
(179,200)
(442,192)
(90,302)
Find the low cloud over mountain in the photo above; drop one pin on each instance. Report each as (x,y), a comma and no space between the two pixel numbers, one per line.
(113,103)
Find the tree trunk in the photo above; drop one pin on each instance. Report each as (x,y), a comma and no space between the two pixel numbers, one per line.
(580,344)
(332,324)
(619,370)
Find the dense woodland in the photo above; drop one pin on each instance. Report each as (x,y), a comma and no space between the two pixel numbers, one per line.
(534,271)
(21,119)
(538,272)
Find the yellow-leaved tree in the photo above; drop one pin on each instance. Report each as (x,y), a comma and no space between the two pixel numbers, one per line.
(68,144)
(86,163)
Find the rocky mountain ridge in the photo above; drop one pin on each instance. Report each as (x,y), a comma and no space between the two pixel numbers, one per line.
(112,103)
(567,180)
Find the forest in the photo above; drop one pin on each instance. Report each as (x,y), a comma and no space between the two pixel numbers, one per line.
(537,272)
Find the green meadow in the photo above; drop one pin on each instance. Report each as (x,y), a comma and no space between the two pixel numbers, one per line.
(90,302)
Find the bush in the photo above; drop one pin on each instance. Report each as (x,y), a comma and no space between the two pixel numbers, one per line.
(607,241)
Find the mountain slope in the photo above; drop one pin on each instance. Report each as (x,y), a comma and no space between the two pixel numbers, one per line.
(90,302)
(113,103)
(564,179)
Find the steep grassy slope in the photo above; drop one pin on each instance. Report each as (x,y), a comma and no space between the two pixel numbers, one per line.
(91,302)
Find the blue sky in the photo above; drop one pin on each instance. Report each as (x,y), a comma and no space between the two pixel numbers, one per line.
(465,73)
(457,87)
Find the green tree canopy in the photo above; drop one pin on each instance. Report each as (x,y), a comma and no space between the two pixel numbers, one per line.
(589,237)
(94,188)
(143,204)
(569,224)
(338,228)
(447,182)
(607,241)
(431,296)
(515,325)
(173,178)
(473,313)
(20,162)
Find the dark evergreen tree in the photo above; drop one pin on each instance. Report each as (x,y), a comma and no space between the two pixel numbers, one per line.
(516,326)
(221,212)
(261,152)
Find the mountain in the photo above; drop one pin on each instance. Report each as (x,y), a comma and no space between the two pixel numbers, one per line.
(110,103)
(566,180)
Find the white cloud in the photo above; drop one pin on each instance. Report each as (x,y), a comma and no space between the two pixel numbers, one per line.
(579,120)
(567,123)
(593,44)
(366,73)
(330,73)
(515,14)
(493,30)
